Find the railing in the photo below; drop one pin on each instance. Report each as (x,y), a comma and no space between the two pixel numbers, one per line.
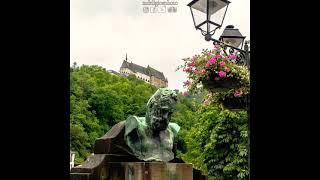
(243,55)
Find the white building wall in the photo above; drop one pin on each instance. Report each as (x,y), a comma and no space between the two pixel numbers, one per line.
(126,71)
(144,77)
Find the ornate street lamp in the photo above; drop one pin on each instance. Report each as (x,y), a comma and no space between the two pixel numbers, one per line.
(208,15)
(232,36)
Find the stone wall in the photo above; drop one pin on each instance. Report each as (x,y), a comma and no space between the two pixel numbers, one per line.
(158,82)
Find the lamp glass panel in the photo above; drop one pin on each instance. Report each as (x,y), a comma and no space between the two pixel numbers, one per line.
(217,9)
(199,11)
(212,27)
(235,42)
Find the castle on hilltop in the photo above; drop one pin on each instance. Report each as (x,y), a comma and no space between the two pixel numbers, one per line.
(148,74)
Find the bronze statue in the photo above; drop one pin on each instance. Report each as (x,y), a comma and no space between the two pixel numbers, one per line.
(149,138)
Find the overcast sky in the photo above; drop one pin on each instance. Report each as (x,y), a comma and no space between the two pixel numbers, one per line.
(103,31)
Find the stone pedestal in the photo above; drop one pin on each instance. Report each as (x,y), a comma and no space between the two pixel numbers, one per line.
(136,171)
(148,171)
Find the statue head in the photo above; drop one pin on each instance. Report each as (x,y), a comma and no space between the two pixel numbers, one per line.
(160,108)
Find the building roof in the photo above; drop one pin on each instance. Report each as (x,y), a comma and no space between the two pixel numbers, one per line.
(154,72)
(148,71)
(114,72)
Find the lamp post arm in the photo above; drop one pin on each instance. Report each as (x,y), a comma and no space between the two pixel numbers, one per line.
(243,56)
(232,47)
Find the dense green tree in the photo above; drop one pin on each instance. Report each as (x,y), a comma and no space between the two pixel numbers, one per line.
(99,100)
(84,127)
(213,139)
(217,143)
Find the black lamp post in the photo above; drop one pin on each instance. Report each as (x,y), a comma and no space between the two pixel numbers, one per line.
(208,16)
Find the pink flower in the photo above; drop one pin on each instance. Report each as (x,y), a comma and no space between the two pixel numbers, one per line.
(203,72)
(232,57)
(191,64)
(238,94)
(188,70)
(212,61)
(196,72)
(185,84)
(207,65)
(222,74)
(218,56)
(227,69)
(222,63)
(185,93)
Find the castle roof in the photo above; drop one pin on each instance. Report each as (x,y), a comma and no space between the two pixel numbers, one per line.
(147,71)
(156,73)
(114,72)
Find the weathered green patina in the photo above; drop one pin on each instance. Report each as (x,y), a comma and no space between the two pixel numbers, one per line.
(151,138)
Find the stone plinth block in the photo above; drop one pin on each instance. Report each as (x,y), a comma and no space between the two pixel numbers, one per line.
(142,171)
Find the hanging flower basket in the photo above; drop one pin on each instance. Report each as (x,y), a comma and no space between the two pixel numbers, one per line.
(219,73)
(214,70)
(235,103)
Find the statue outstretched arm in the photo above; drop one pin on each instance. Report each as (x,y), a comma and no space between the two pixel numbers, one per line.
(132,123)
